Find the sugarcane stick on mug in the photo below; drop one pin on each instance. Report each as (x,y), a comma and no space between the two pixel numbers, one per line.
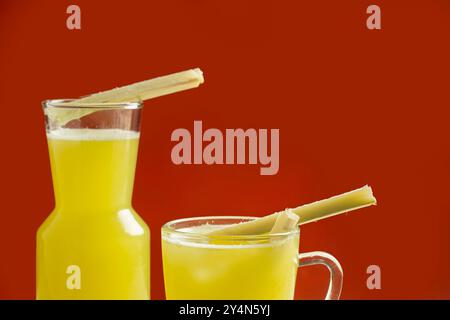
(346,202)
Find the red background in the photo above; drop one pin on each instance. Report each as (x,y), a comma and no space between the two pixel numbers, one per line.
(353,106)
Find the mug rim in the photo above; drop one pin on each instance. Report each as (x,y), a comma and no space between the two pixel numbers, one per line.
(169,229)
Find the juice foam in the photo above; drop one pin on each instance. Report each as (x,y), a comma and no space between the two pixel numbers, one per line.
(91,134)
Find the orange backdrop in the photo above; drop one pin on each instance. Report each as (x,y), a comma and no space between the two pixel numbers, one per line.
(353,106)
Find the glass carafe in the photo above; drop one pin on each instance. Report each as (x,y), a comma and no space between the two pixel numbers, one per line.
(93,245)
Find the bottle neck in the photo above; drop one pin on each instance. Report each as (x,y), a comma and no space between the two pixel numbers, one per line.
(94,196)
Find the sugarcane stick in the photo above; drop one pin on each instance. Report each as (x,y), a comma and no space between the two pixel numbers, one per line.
(349,201)
(285,222)
(139,91)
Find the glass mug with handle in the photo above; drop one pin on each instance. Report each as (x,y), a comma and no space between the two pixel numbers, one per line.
(254,267)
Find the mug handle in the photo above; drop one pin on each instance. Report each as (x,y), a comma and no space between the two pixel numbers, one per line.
(327,260)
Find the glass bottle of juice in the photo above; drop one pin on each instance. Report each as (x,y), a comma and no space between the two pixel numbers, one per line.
(93,245)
